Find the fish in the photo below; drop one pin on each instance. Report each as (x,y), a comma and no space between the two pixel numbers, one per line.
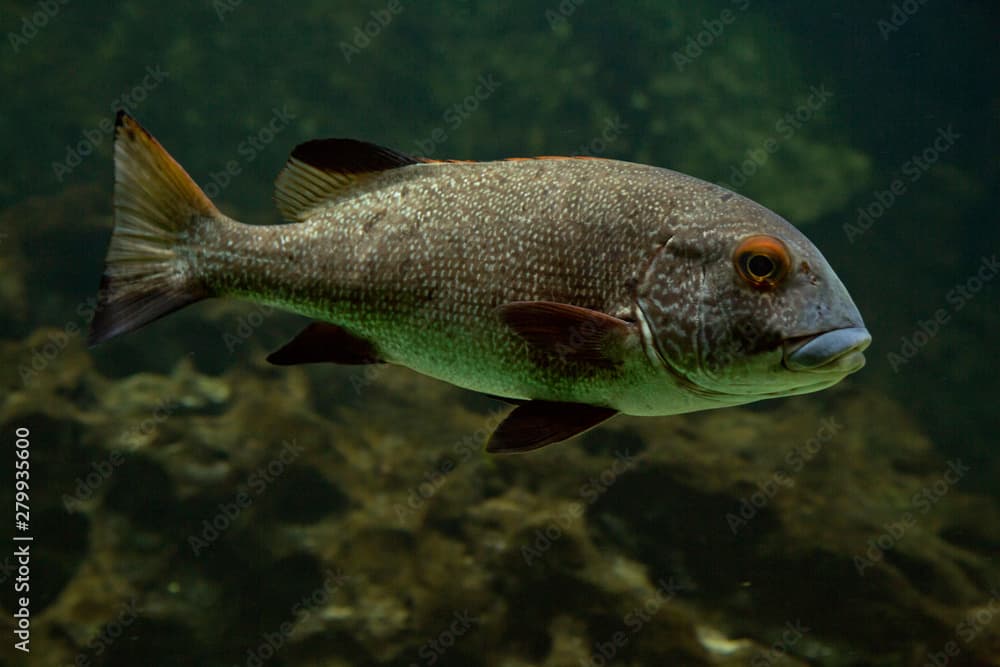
(574,288)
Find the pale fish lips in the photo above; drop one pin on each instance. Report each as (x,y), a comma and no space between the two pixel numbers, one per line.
(837,351)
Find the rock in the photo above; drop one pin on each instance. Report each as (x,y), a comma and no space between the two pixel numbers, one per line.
(322,514)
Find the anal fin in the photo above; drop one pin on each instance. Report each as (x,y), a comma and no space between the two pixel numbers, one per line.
(324,342)
(539,423)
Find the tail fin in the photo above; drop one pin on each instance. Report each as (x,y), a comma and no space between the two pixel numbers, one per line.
(156,204)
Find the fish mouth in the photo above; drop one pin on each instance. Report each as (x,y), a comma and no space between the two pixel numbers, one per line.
(836,351)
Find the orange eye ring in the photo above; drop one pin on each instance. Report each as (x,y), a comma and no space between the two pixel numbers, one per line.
(762,261)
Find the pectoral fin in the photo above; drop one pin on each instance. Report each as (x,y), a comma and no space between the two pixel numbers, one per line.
(569,332)
(539,423)
(323,342)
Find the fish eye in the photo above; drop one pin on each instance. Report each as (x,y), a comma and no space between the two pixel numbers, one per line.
(762,261)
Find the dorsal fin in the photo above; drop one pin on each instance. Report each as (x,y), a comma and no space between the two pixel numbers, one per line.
(325,170)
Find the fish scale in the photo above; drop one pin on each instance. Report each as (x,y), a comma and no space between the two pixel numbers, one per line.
(375,279)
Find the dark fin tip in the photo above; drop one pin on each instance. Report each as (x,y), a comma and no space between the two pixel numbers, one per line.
(128,126)
(322,342)
(350,156)
(118,314)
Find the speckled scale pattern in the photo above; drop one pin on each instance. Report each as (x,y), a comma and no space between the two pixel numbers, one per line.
(419,259)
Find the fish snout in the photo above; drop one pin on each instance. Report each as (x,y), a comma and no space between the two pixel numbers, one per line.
(840,350)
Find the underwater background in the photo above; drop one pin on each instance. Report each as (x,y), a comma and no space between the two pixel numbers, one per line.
(192,505)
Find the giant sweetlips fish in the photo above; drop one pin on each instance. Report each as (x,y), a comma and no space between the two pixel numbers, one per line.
(574,288)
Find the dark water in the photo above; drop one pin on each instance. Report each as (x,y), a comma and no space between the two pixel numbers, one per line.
(191,505)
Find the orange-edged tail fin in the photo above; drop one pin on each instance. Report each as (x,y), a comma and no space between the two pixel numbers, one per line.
(155,204)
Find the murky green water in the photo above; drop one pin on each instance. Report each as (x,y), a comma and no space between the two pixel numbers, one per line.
(190,504)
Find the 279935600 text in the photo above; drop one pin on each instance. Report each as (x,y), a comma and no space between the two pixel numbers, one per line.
(22,539)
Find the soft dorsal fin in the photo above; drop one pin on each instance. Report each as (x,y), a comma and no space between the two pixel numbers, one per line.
(325,170)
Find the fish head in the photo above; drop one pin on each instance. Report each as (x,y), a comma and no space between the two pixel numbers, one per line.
(739,305)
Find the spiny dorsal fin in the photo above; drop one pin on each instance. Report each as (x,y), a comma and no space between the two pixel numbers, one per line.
(324,170)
